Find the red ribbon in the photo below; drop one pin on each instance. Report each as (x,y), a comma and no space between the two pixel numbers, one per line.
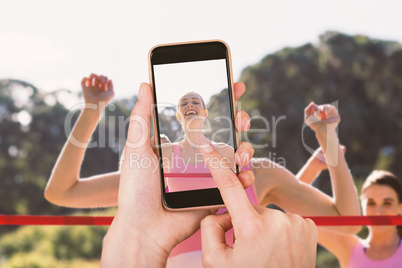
(99,220)
(356,220)
(54,220)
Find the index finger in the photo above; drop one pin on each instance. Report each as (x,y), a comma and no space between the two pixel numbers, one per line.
(238,89)
(233,194)
(84,82)
(308,111)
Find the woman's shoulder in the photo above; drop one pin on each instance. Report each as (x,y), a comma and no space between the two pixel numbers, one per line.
(169,145)
(341,245)
(167,148)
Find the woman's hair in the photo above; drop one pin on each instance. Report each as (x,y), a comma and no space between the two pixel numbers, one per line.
(382,177)
(191,92)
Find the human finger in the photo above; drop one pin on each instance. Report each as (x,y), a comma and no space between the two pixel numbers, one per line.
(103,78)
(327,114)
(110,85)
(321,113)
(244,153)
(246,178)
(103,82)
(308,111)
(139,128)
(84,82)
(213,241)
(308,231)
(228,183)
(242,121)
(238,89)
(332,113)
(92,79)
(96,82)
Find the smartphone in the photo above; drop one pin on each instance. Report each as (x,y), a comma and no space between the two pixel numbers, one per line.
(193,103)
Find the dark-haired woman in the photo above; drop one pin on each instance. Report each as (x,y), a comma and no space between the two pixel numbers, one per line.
(381,195)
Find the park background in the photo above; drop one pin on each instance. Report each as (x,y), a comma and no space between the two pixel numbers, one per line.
(288,53)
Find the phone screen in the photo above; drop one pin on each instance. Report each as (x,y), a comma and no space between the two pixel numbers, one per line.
(184,92)
(193,106)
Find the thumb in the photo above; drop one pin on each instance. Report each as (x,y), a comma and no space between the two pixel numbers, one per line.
(138,137)
(213,241)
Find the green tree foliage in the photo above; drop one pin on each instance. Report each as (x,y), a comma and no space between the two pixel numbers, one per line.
(359,74)
(55,246)
(219,125)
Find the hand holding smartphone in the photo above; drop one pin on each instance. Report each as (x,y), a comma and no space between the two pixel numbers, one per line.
(186,79)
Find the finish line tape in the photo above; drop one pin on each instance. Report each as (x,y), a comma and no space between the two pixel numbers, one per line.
(99,220)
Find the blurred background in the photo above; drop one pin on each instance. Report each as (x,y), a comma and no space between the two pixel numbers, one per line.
(288,53)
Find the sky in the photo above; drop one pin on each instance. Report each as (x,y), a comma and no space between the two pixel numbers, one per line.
(54,44)
(206,78)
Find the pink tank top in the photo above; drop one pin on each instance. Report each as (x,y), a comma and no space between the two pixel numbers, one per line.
(193,243)
(359,259)
(201,179)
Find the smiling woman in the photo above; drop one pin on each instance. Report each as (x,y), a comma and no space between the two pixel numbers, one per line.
(381,195)
(189,104)
(184,156)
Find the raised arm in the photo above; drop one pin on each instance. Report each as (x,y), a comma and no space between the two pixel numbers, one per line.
(65,187)
(339,245)
(277,185)
(324,120)
(314,166)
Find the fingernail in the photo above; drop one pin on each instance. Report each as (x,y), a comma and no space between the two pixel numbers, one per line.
(206,147)
(244,158)
(237,158)
(247,124)
(141,91)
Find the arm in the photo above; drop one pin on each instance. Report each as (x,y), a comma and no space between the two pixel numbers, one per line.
(344,190)
(65,187)
(297,197)
(275,184)
(313,167)
(339,245)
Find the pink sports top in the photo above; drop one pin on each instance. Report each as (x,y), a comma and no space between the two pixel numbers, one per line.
(193,243)
(201,179)
(359,259)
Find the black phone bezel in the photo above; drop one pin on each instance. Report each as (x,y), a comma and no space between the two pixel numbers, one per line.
(180,53)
